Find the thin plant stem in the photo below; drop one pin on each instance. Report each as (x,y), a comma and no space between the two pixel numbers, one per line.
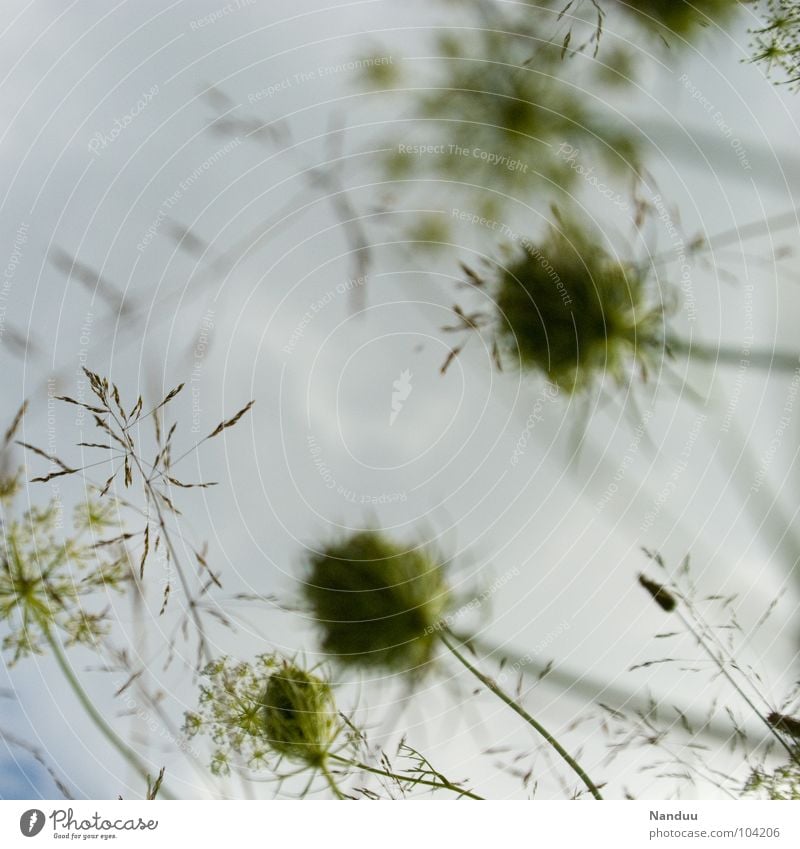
(765,226)
(517,708)
(737,235)
(86,703)
(442,784)
(331,781)
(729,356)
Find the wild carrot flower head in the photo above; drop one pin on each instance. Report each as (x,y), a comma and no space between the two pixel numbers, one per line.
(570,310)
(299,714)
(776,44)
(377,603)
(47,578)
(272,707)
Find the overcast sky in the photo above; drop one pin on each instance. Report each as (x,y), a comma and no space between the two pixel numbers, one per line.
(108,147)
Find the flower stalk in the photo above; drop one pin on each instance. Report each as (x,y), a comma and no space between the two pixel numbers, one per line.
(445,637)
(730,356)
(91,711)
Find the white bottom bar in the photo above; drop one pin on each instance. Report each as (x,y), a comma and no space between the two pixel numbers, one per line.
(332,825)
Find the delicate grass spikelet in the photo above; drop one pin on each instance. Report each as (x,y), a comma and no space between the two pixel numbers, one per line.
(378,604)
(781,785)
(570,310)
(264,711)
(659,593)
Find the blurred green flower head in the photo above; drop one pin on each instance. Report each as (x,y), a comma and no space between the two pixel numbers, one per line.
(377,603)
(567,308)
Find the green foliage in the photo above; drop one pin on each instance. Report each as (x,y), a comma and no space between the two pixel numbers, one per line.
(376,603)
(683,17)
(490,114)
(508,95)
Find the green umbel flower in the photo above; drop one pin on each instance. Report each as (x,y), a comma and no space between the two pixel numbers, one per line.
(265,711)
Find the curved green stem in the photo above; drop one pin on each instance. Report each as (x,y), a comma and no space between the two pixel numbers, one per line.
(323,767)
(517,708)
(86,703)
(727,356)
(442,784)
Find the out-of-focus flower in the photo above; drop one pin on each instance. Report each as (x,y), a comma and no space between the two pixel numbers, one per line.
(376,603)
(569,309)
